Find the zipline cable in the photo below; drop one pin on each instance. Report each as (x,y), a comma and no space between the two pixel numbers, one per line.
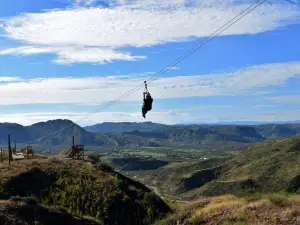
(220,30)
(245,12)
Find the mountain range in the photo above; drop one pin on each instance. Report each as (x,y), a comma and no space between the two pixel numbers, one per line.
(269,130)
(60,132)
(108,127)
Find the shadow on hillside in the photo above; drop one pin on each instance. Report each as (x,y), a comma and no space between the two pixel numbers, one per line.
(294,185)
(31,183)
(36,214)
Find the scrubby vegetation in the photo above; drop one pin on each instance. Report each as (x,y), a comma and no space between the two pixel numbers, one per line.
(254,209)
(179,177)
(270,166)
(26,211)
(85,190)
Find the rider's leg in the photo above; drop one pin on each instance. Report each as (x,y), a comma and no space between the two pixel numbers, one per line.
(144,111)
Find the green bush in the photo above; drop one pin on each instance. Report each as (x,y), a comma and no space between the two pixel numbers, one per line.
(197,219)
(169,220)
(248,192)
(94,157)
(278,199)
(104,167)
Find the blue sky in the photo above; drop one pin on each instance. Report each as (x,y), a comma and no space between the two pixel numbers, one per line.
(66,58)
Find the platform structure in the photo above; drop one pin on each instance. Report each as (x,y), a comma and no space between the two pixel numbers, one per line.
(76,151)
(27,151)
(14,150)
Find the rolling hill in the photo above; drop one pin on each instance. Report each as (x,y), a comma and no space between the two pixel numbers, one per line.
(275,209)
(270,166)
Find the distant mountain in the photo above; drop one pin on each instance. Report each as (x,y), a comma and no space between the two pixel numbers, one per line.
(276,131)
(57,132)
(52,132)
(229,132)
(123,127)
(16,131)
(60,132)
(242,123)
(205,135)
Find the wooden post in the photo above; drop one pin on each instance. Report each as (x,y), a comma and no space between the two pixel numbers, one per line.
(73,141)
(83,155)
(15,148)
(1,155)
(9,151)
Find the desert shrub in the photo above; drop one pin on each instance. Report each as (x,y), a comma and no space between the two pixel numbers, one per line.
(197,219)
(278,199)
(104,167)
(169,220)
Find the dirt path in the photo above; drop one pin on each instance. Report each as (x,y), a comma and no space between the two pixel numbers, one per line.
(155,189)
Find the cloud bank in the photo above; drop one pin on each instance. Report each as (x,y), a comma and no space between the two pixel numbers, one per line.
(98,34)
(98,90)
(165,117)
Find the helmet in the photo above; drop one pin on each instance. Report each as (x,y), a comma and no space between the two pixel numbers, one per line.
(148,94)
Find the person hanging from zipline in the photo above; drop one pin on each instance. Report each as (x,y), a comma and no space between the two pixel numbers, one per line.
(147,106)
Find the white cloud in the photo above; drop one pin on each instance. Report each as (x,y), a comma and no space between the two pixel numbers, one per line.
(84,2)
(68,55)
(30,118)
(165,117)
(74,34)
(97,90)
(263,106)
(198,108)
(9,79)
(286,99)
(174,68)
(26,50)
